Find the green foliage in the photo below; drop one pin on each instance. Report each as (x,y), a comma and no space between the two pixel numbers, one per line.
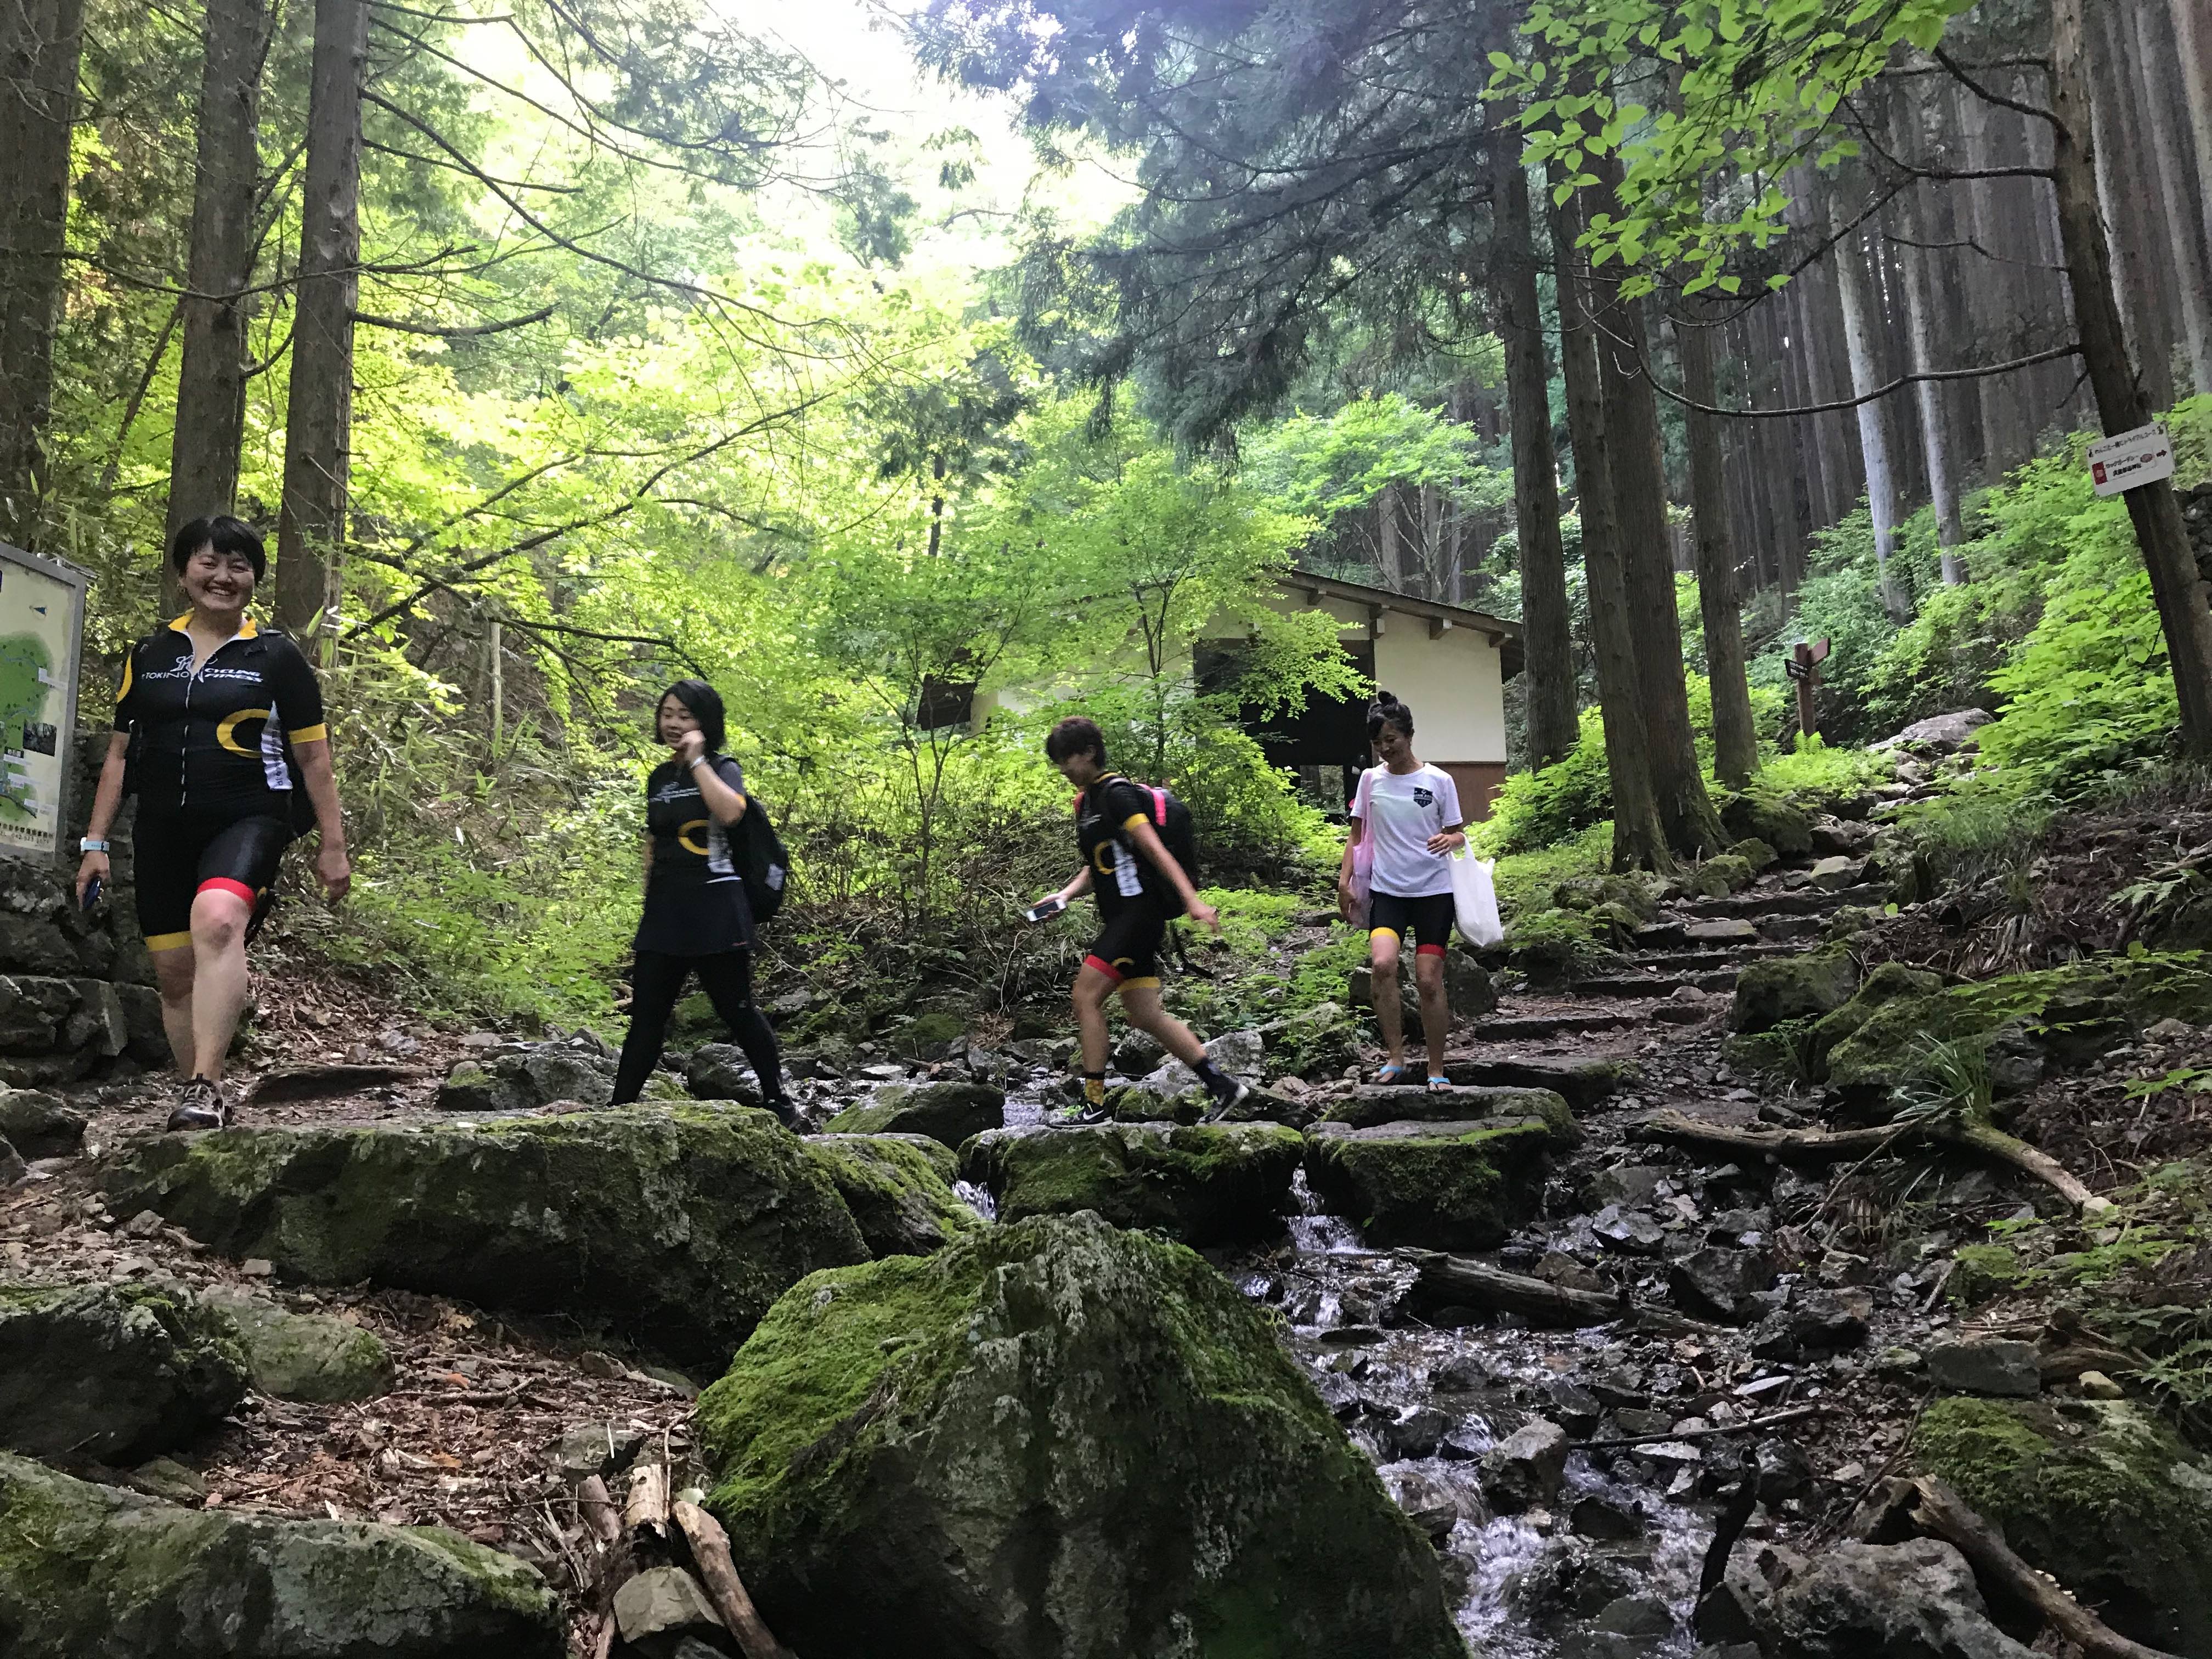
(1811,770)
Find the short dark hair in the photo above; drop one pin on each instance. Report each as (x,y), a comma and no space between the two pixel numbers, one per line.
(1075,736)
(226,535)
(706,706)
(1387,710)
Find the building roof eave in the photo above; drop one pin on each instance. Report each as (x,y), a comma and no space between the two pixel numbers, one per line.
(1504,635)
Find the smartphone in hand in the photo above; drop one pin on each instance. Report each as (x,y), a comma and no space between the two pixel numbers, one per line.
(1045,909)
(91,894)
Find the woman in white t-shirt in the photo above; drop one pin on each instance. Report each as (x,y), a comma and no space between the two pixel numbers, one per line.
(1409,815)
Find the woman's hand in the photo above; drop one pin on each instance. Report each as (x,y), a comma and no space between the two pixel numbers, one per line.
(1347,904)
(690,745)
(1446,841)
(91,868)
(335,871)
(1202,913)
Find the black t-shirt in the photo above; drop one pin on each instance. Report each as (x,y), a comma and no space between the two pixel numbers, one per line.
(1120,874)
(218,740)
(695,899)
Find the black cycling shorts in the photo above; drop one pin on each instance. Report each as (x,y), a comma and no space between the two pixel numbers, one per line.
(179,859)
(1428,920)
(1127,948)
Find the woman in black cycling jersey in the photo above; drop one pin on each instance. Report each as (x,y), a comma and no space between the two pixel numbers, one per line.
(696,919)
(219,731)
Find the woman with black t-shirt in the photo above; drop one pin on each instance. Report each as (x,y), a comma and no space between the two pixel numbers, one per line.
(696,919)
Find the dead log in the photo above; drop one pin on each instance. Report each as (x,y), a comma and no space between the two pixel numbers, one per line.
(710,1553)
(1455,1278)
(595,1506)
(1836,1145)
(1941,1513)
(644,1512)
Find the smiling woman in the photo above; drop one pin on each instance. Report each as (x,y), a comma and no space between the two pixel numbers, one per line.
(219,731)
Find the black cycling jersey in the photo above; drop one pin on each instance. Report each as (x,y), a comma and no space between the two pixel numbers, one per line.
(695,899)
(1105,815)
(218,739)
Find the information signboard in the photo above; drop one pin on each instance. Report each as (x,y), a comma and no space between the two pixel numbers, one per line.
(2128,460)
(41,639)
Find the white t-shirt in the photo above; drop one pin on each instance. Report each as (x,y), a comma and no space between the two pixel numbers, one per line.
(1401,811)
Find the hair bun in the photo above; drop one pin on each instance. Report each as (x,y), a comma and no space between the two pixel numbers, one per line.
(1384,700)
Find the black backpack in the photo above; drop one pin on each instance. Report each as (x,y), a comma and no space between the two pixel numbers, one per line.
(1178,832)
(765,867)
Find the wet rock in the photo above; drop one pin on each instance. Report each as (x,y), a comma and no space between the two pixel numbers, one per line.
(1816,1322)
(1731,930)
(1240,1054)
(1792,988)
(1315,1042)
(676,1226)
(899,1189)
(1432,1505)
(1630,1232)
(1582,1083)
(1100,1406)
(13,1168)
(719,1070)
(1419,1432)
(603,1448)
(112,1372)
(1627,1184)
(91,1572)
(1636,1615)
(1605,1519)
(1721,1284)
(1911,1601)
(1138,1053)
(1784,1471)
(1211,1183)
(1525,1469)
(1986,1366)
(38,1126)
(2100,1494)
(1574,1406)
(308,1356)
(929,1037)
(1443,1186)
(1374,1104)
(661,1600)
(946,1112)
(1833,874)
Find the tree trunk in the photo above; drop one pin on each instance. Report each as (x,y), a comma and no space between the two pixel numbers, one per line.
(2192,33)
(1548,678)
(2121,402)
(2168,160)
(318,415)
(1874,432)
(2120,200)
(1917,262)
(211,379)
(1638,842)
(1386,525)
(39,44)
(1735,739)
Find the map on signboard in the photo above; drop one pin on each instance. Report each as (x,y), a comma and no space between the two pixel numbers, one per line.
(35,621)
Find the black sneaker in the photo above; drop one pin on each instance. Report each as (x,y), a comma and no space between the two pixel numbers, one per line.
(200,1105)
(785,1113)
(1085,1114)
(1241,1092)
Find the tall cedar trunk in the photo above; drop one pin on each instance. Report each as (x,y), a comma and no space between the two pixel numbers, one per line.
(1874,431)
(2121,402)
(211,379)
(2168,160)
(1735,739)
(1954,311)
(318,415)
(1548,679)
(2192,33)
(1917,259)
(39,44)
(2134,278)
(1638,842)
(1386,539)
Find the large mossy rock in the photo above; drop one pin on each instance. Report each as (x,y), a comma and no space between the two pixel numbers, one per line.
(90,1573)
(1792,988)
(1758,815)
(2100,1494)
(1444,1186)
(307,1357)
(899,1189)
(112,1372)
(1378,1103)
(1054,1441)
(1211,1183)
(676,1227)
(946,1112)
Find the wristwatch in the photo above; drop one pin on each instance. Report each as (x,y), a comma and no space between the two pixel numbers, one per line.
(89,845)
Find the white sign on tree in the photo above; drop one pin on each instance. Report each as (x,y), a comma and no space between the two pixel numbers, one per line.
(2128,460)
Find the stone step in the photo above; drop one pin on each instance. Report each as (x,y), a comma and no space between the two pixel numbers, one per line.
(1801,902)
(1582,1082)
(1699,961)
(1511,1028)
(1653,984)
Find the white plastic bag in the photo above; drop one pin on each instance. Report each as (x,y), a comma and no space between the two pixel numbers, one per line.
(1474,900)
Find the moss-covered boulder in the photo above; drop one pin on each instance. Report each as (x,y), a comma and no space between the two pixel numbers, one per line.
(899,1189)
(112,1372)
(1777,988)
(1444,1186)
(1761,815)
(1979,1272)
(1756,853)
(929,1037)
(946,1112)
(1374,1103)
(676,1227)
(1549,947)
(1134,1103)
(1208,1183)
(90,1572)
(1054,1441)
(310,1357)
(1314,1043)
(2100,1494)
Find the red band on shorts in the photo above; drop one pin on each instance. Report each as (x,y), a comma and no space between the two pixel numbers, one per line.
(237,890)
(1428,950)
(1103,967)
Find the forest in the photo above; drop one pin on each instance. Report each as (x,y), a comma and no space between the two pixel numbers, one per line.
(1803,1248)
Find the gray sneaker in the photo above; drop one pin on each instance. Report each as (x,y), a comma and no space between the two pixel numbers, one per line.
(200,1105)
(1221,1108)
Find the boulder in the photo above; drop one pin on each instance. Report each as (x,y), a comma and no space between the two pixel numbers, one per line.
(1359,992)
(1240,1054)
(1366,1106)
(1986,1365)
(1729,930)
(719,1070)
(1053,1440)
(899,1189)
(1792,988)
(1756,853)
(674,1226)
(474,1088)
(1817,1323)
(1912,1600)
(1939,734)
(90,1572)
(1758,815)
(536,1076)
(147,1040)
(1524,1470)
(112,1372)
(1209,1183)
(1582,1083)
(1717,1283)
(946,1112)
(929,1037)
(12,1168)
(663,1599)
(1443,1186)
(34,1011)
(2099,1493)
(1718,876)
(1468,988)
(309,1357)
(38,1126)
(1833,874)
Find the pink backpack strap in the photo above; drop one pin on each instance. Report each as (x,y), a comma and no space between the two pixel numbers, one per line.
(1159,806)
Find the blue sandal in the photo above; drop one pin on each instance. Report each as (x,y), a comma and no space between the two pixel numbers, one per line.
(1440,1085)
(1389,1074)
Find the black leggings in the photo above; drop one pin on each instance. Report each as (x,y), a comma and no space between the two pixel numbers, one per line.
(657,981)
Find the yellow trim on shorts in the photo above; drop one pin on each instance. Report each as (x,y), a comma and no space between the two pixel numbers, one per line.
(1150,981)
(1376,933)
(168,941)
(310,734)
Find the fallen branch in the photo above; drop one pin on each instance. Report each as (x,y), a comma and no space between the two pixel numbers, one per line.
(710,1553)
(1447,1279)
(646,1510)
(1834,1145)
(1715,1431)
(595,1507)
(1941,1513)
